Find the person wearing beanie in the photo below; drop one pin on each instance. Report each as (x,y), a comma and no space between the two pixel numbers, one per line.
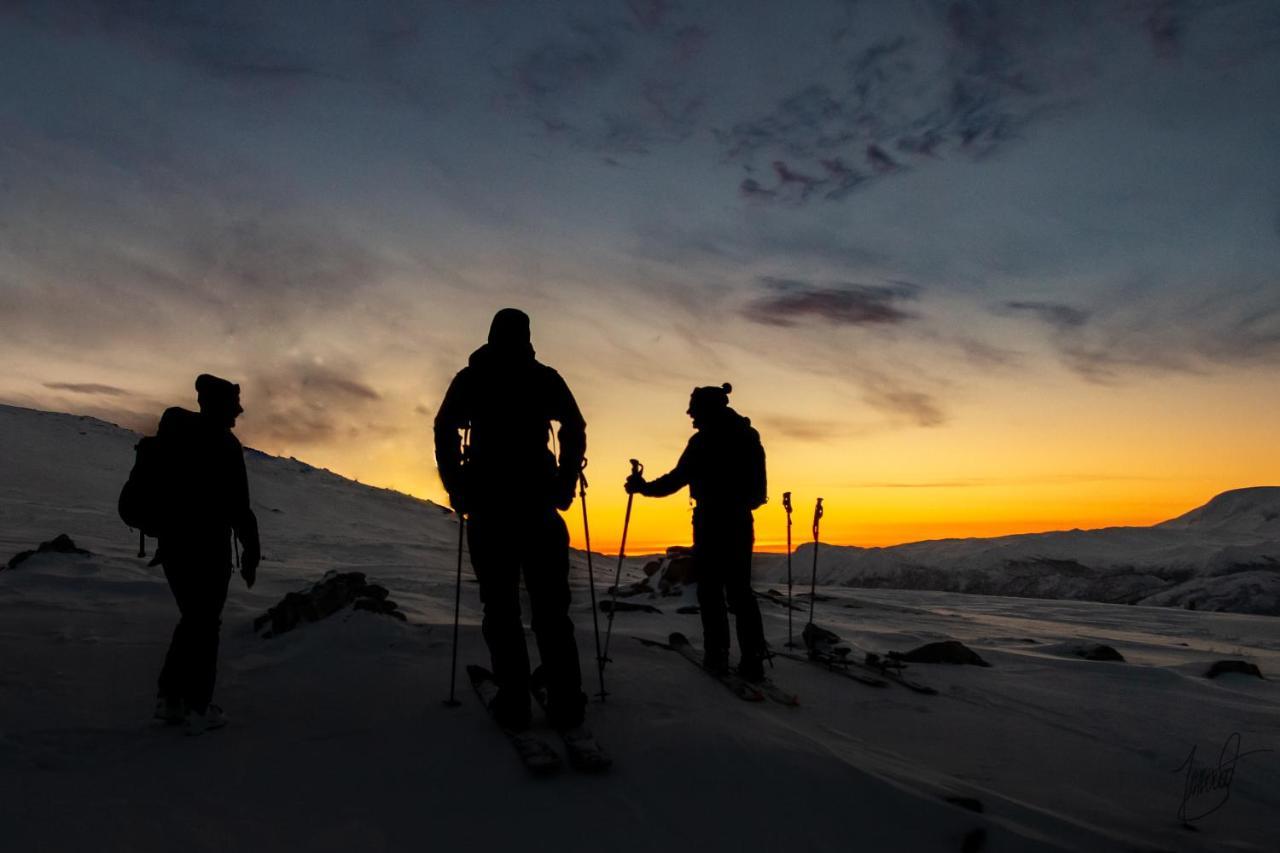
(207,495)
(723,466)
(491,437)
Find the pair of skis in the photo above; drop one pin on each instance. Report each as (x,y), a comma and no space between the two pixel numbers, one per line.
(536,752)
(749,691)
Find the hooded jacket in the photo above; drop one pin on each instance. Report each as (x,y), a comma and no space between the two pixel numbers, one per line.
(506,399)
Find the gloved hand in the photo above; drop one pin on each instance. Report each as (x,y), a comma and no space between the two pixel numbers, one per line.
(249,559)
(635,484)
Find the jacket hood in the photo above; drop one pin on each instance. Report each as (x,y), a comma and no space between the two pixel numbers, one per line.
(499,356)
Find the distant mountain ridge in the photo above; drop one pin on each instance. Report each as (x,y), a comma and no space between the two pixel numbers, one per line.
(1224,555)
(1254,511)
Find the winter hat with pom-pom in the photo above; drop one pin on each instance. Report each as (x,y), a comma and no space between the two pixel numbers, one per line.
(709,398)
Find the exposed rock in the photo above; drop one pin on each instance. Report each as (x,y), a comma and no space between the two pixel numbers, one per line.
(330,594)
(1084,651)
(664,577)
(1223,666)
(60,544)
(946,651)
(1099,651)
(680,568)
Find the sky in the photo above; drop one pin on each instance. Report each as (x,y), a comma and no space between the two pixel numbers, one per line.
(972,268)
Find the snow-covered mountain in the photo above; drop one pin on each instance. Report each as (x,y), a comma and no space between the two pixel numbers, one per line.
(339,740)
(1224,555)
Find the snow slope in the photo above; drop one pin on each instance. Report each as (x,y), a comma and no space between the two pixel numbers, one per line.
(340,741)
(1224,555)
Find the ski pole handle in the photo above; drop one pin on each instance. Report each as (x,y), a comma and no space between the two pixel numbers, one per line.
(786,502)
(582,480)
(817,517)
(636,467)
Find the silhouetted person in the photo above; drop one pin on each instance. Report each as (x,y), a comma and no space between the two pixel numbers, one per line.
(509,485)
(207,495)
(723,466)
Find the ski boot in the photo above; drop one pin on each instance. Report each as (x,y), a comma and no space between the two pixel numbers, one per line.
(213,717)
(170,710)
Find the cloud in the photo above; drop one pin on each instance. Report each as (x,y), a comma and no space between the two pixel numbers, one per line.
(308,403)
(87,388)
(1055,314)
(917,407)
(807,429)
(612,84)
(963,80)
(1163,329)
(227,39)
(987,482)
(791,301)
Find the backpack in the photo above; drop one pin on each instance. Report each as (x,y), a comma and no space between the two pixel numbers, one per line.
(143,499)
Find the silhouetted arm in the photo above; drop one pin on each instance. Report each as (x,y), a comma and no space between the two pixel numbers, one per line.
(760,483)
(451,419)
(572,435)
(674,480)
(243,521)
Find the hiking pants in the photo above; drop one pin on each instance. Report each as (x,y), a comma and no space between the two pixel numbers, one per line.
(722,544)
(191,666)
(504,542)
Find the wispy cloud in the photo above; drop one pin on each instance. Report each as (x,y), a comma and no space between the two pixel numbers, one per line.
(790,300)
(1055,314)
(1157,333)
(90,388)
(308,403)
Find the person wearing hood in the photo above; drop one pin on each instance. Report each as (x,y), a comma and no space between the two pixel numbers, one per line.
(723,466)
(491,439)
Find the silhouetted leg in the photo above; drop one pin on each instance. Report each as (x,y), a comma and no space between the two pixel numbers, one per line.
(205,626)
(746,610)
(715,619)
(496,562)
(172,682)
(190,667)
(546,576)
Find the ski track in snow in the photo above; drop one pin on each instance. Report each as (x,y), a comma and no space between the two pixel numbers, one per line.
(339,739)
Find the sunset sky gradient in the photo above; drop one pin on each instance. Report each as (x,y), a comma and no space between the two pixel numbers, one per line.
(972,268)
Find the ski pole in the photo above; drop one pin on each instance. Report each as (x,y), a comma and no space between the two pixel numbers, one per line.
(813,578)
(591,575)
(786,504)
(636,470)
(452,701)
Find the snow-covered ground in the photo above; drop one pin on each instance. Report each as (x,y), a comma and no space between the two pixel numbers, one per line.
(340,741)
(1224,555)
